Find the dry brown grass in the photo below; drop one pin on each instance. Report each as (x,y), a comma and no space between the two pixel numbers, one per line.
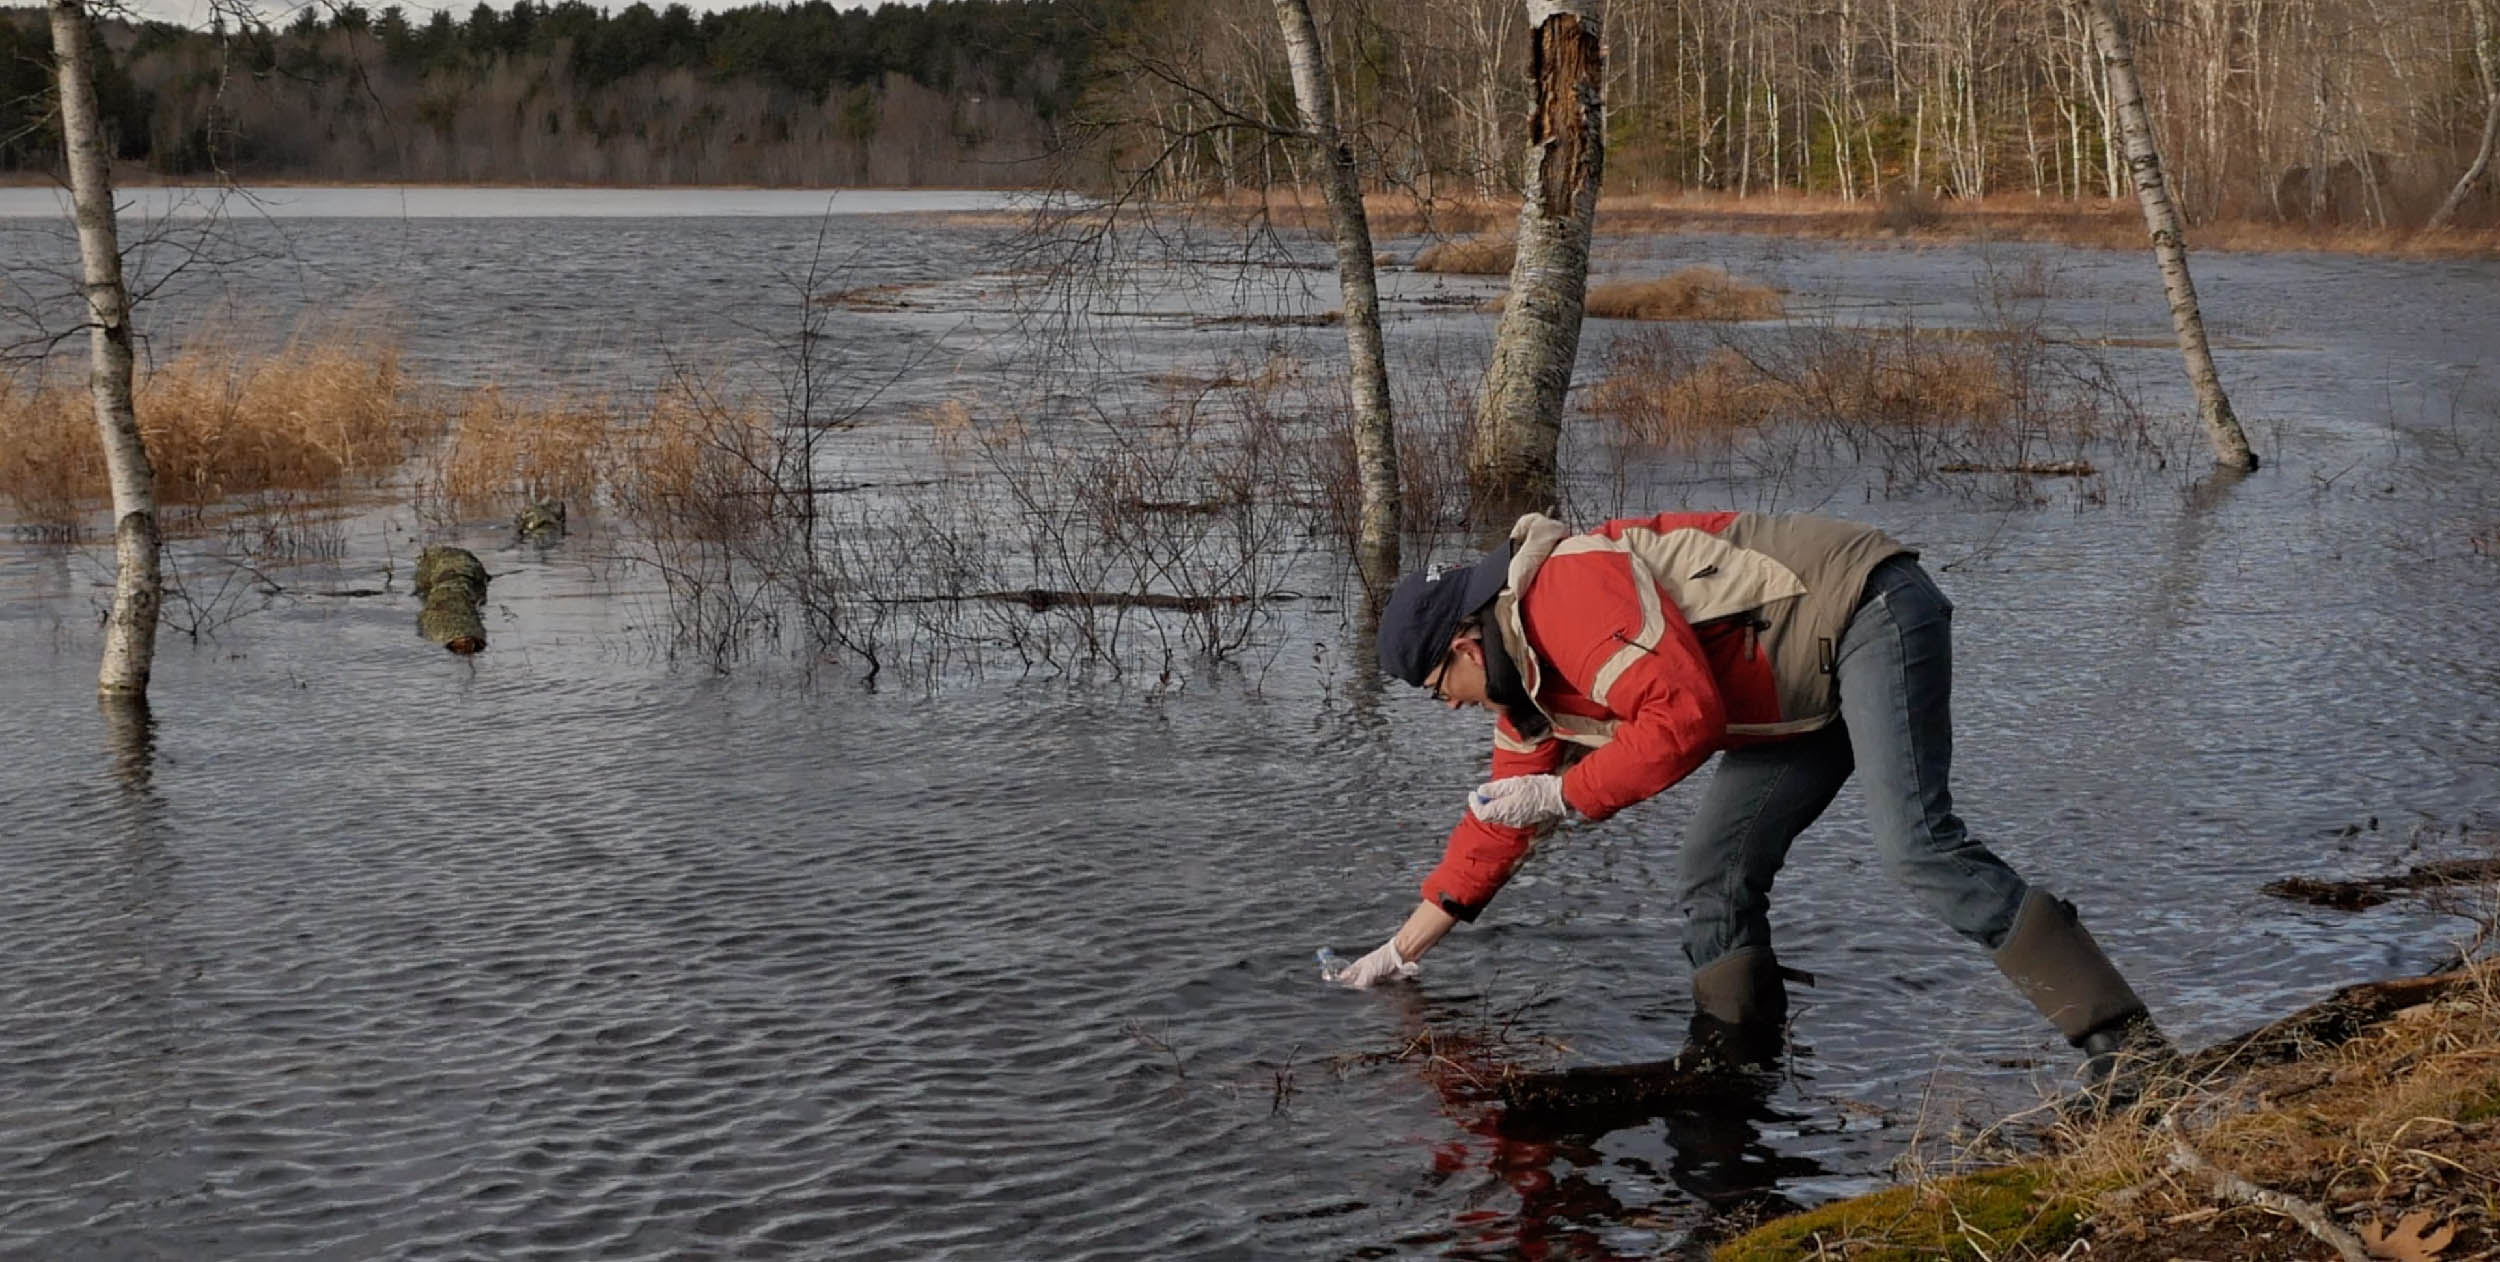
(1488,255)
(2403,1118)
(1719,397)
(51,465)
(505,452)
(1659,392)
(689,460)
(703,464)
(2399,1121)
(1695,293)
(1900,381)
(318,416)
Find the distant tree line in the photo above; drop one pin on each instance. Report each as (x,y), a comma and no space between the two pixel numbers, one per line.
(944,92)
(2325,110)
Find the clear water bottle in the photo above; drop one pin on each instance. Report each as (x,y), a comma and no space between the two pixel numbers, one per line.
(1331,964)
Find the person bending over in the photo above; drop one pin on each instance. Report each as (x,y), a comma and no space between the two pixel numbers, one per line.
(1618,660)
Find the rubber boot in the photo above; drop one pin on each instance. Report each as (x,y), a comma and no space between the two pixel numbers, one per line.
(2051,958)
(1740,1014)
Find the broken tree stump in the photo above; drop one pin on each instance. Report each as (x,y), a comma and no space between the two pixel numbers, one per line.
(452,583)
(540,522)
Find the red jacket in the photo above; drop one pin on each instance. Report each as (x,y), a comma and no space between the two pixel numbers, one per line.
(1650,644)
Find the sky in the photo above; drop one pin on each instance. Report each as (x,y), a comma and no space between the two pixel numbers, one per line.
(281,12)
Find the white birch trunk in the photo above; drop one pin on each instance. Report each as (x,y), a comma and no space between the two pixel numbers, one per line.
(1514,453)
(1375,431)
(2109,30)
(2487,58)
(138,589)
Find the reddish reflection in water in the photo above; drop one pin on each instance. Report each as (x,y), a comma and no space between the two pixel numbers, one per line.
(1720,1167)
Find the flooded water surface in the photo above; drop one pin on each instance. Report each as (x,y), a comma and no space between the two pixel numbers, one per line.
(583,949)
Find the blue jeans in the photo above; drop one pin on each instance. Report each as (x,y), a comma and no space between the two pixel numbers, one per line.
(1895,669)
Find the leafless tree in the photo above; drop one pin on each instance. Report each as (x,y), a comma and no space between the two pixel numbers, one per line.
(1375,431)
(2230,442)
(138,588)
(2487,63)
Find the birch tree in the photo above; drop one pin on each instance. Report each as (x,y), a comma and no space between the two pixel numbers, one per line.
(2487,63)
(1375,433)
(138,588)
(2109,32)
(1513,453)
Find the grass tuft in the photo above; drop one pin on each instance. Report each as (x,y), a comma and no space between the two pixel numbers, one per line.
(688,462)
(1695,293)
(1486,255)
(1659,392)
(320,416)
(505,452)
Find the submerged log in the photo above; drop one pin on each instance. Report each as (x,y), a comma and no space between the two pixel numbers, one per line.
(1611,1097)
(1042,599)
(2370,891)
(452,584)
(2028,468)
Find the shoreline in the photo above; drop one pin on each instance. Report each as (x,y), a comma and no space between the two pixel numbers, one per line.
(2304,1135)
(1883,223)
(136,179)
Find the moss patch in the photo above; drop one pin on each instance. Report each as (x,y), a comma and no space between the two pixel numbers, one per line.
(2483,1108)
(1970,1216)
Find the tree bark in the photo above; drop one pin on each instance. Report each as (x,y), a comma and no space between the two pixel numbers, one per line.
(138,587)
(2487,58)
(2109,31)
(1513,455)
(1375,430)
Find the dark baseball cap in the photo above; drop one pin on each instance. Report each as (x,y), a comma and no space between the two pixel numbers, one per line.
(1424,610)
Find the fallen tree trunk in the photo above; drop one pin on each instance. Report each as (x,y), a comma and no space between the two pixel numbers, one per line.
(1044,599)
(452,583)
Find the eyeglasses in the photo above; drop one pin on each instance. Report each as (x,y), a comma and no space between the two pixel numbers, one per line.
(1439,676)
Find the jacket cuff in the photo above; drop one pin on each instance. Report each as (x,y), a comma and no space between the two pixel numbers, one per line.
(1462,887)
(1577,799)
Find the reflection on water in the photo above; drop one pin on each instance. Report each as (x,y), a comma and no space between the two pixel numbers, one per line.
(358,950)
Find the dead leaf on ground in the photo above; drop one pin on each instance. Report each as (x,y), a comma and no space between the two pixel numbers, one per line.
(2406,1242)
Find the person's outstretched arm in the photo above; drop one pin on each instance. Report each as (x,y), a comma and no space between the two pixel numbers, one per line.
(1477,860)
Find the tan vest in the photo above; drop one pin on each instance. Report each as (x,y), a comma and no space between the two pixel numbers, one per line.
(1798,577)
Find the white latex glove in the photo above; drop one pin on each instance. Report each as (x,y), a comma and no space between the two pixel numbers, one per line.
(1379,966)
(1519,801)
